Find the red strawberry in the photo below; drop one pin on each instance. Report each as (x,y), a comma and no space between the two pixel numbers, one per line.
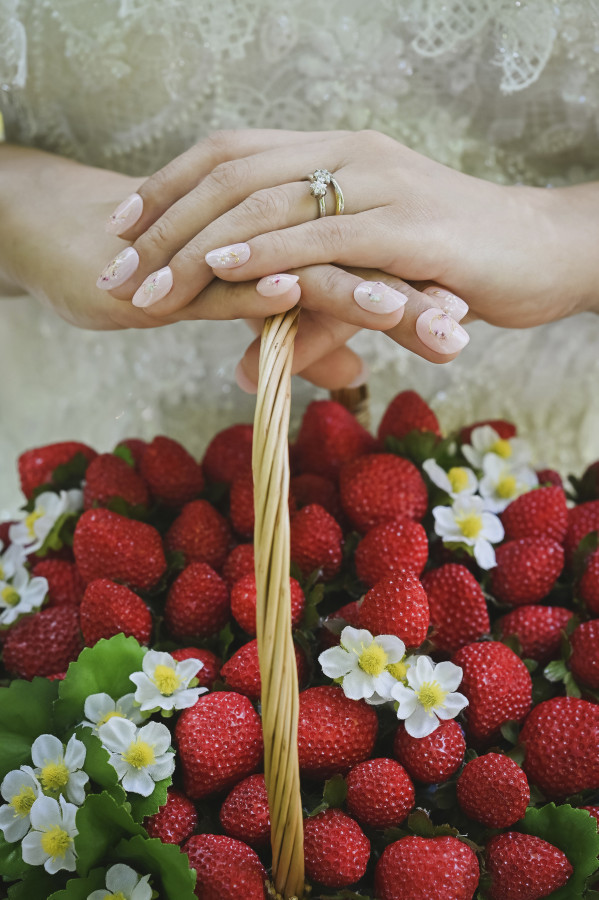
(226,869)
(316,541)
(108,609)
(241,504)
(4,533)
(536,513)
(336,850)
(197,603)
(584,662)
(175,821)
(243,603)
(108,477)
(65,585)
(57,676)
(242,670)
(498,687)
(493,790)
(390,546)
(136,447)
(431,759)
(525,867)
(308,488)
(457,607)
(334,733)
(560,737)
(505,430)
(407,412)
(245,814)
(380,793)
(36,466)
(171,473)
(329,436)
(582,520)
(219,741)
(538,628)
(397,605)
(228,454)
(107,545)
(526,570)
(379,487)
(415,868)
(238,563)
(44,643)
(211,663)
(201,534)
(589,584)
(548,477)
(334,624)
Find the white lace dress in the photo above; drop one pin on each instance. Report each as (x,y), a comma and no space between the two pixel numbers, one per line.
(505,89)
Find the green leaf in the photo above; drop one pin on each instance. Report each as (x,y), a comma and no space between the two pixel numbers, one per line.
(572,689)
(335,791)
(81,888)
(225,639)
(555,670)
(60,534)
(168,866)
(102,822)
(97,764)
(147,806)
(420,824)
(511,731)
(37,884)
(64,477)
(122,451)
(586,547)
(12,865)
(25,713)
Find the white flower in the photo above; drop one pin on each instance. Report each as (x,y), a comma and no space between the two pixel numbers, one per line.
(59,770)
(501,482)
(23,595)
(429,696)
(123,882)
(486,440)
(367,666)
(139,756)
(50,841)
(11,561)
(99,708)
(20,788)
(164,682)
(459,481)
(49,507)
(467,522)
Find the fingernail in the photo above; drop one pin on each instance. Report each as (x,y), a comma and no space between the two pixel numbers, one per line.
(451,304)
(377,297)
(245,383)
(125,215)
(362,376)
(273,285)
(119,269)
(228,257)
(154,288)
(440,332)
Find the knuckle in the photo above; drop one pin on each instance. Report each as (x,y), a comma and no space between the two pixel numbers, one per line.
(230,174)
(328,281)
(191,253)
(266,204)
(220,142)
(334,234)
(159,238)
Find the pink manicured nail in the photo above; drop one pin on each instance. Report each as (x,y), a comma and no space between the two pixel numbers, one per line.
(377,297)
(154,288)
(273,285)
(451,304)
(119,269)
(245,383)
(440,332)
(228,257)
(125,215)
(361,378)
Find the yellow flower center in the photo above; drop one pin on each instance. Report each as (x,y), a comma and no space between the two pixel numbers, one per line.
(10,596)
(166,680)
(139,755)
(118,896)
(470,524)
(507,487)
(373,659)
(110,715)
(56,841)
(502,448)
(23,801)
(32,518)
(398,670)
(54,777)
(458,478)
(431,694)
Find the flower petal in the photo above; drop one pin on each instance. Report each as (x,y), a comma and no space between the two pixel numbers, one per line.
(46,748)
(138,781)
(117,733)
(452,706)
(357,685)
(448,675)
(337,662)
(484,554)
(393,646)
(493,530)
(31,848)
(121,878)
(421,723)
(355,639)
(74,755)
(188,669)
(97,706)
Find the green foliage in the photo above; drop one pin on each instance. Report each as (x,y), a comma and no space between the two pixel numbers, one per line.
(588,545)
(102,823)
(12,865)
(36,884)
(147,806)
(225,639)
(81,888)
(25,713)
(65,477)
(168,866)
(123,452)
(333,795)
(420,445)
(97,764)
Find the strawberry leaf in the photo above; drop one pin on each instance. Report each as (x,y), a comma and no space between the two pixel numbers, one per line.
(25,713)
(555,670)
(81,888)
(97,764)
(37,884)
(335,791)
(165,862)
(123,452)
(147,806)
(12,865)
(101,823)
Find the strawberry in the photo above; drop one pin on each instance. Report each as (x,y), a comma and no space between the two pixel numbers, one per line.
(136,447)
(334,624)
(107,545)
(407,412)
(398,544)
(65,585)
(548,477)
(379,487)
(525,867)
(582,520)
(589,584)
(197,603)
(560,738)
(457,607)
(171,473)
(538,628)
(505,430)
(380,793)
(238,563)
(329,436)
(309,488)
(316,541)
(228,454)
(397,605)
(415,868)
(108,609)
(219,741)
(493,790)
(241,504)
(44,643)
(526,570)
(584,662)
(431,759)
(175,821)
(201,534)
(37,466)
(242,670)
(245,814)
(4,533)
(108,477)
(336,850)
(498,687)
(334,733)
(226,869)
(210,663)
(536,513)
(243,603)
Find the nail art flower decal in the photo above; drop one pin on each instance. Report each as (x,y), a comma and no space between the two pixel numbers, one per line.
(59,770)
(429,696)
(37,525)
(165,683)
(467,522)
(140,756)
(123,882)
(20,788)
(51,840)
(458,481)
(366,667)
